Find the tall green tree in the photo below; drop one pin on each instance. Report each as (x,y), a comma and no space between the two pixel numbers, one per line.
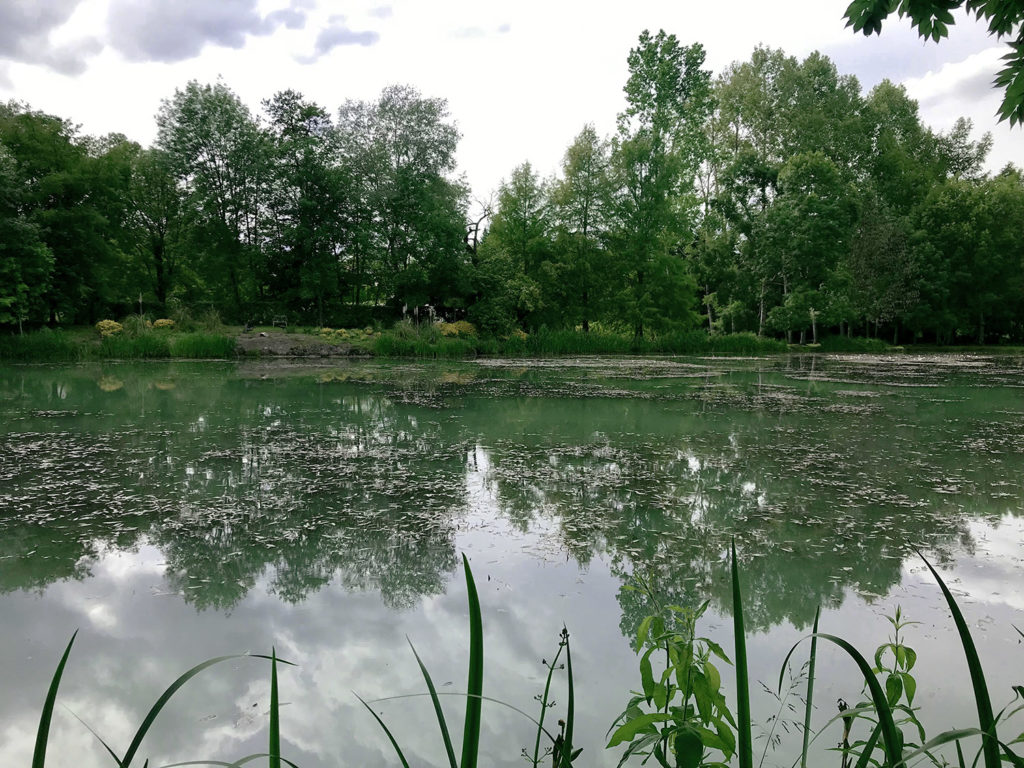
(581,204)
(879,273)
(26,263)
(154,221)
(72,193)
(655,156)
(411,206)
(958,155)
(515,254)
(969,243)
(220,157)
(306,197)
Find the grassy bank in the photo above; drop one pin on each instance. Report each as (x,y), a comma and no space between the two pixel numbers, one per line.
(428,341)
(83,344)
(436,341)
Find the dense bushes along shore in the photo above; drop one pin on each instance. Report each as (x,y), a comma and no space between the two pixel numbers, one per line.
(83,344)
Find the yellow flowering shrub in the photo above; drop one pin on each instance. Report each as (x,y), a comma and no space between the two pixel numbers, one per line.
(163,322)
(108,328)
(346,335)
(460,328)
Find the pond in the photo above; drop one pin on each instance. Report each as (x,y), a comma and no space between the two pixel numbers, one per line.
(174,512)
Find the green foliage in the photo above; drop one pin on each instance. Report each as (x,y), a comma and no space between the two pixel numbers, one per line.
(745,750)
(26,263)
(202,345)
(147,346)
(986,719)
(46,714)
(133,326)
(42,736)
(61,208)
(561,746)
(394,345)
(659,145)
(778,200)
(681,714)
(407,340)
(213,145)
(41,345)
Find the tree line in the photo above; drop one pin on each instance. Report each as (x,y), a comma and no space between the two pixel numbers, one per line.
(776,198)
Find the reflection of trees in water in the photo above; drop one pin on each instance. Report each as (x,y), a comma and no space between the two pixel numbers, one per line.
(360,480)
(665,507)
(369,502)
(233,488)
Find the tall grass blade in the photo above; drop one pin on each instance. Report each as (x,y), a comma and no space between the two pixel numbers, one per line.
(890,735)
(745,753)
(274,748)
(986,720)
(568,754)
(442,724)
(99,738)
(943,738)
(391,738)
(865,756)
(43,734)
(475,685)
(151,716)
(809,702)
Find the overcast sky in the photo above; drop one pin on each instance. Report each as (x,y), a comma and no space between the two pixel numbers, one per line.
(521,76)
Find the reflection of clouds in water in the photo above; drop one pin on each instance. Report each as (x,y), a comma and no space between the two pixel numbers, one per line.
(991,576)
(341,642)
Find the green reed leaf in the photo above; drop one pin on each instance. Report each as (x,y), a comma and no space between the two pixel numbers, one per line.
(475,684)
(274,748)
(387,731)
(746,747)
(986,720)
(809,699)
(43,734)
(442,724)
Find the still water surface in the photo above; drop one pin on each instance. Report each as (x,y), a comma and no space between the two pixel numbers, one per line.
(174,512)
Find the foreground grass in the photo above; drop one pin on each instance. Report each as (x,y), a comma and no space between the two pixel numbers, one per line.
(681,717)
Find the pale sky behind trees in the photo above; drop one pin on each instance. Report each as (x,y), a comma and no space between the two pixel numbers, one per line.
(521,76)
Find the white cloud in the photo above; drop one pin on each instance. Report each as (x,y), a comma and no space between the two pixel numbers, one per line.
(964,88)
(969,79)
